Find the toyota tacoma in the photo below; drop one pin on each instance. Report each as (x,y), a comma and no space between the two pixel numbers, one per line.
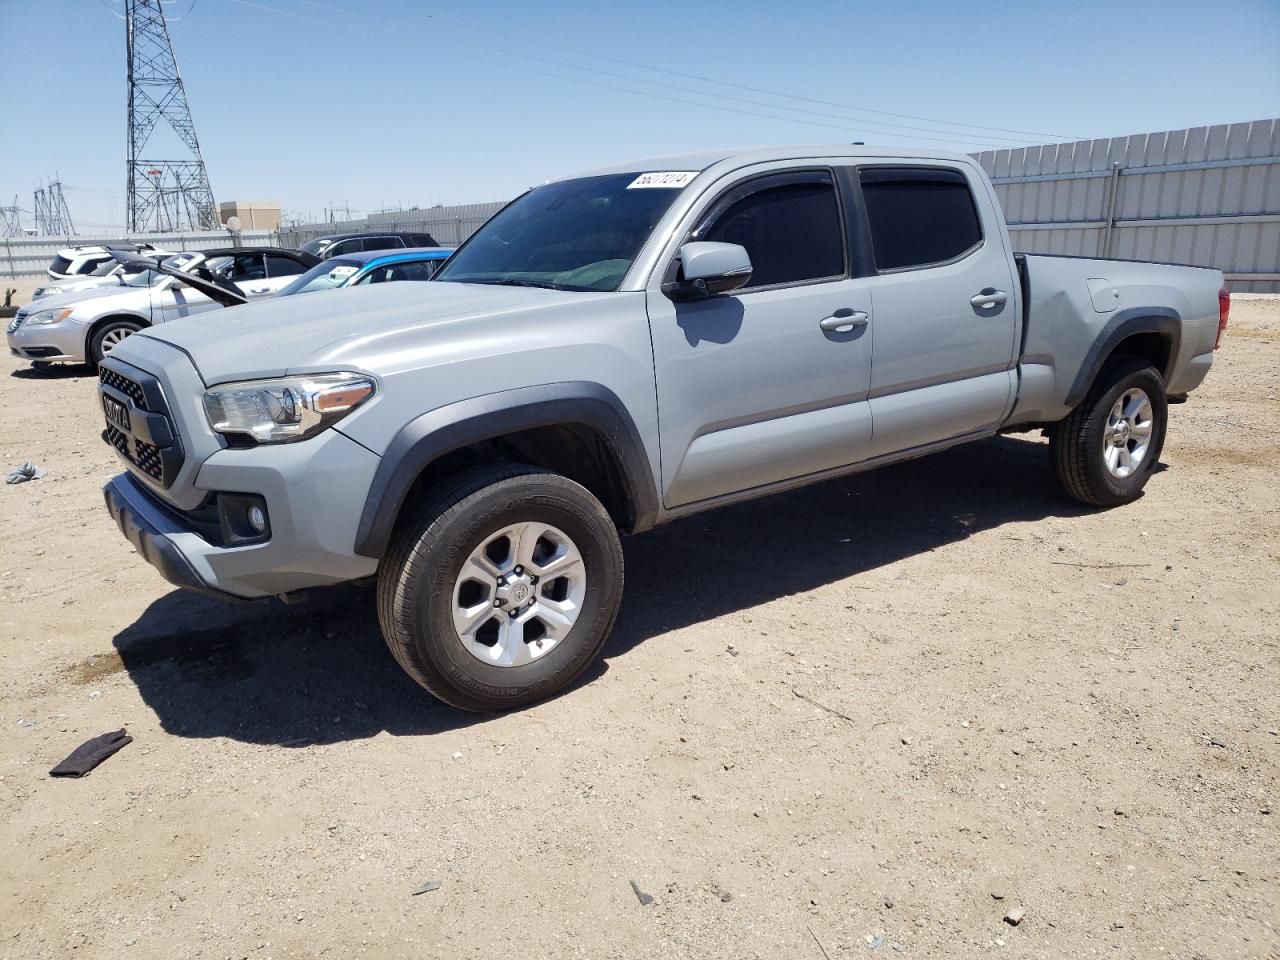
(619,349)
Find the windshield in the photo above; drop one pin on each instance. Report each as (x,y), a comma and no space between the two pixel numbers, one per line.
(573,235)
(149,278)
(323,276)
(314,246)
(146,278)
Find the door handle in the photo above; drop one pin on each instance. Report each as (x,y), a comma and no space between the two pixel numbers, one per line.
(842,321)
(989,297)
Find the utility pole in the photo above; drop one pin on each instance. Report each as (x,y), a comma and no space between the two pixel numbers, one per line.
(162,194)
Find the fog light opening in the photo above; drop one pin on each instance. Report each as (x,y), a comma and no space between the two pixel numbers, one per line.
(257,519)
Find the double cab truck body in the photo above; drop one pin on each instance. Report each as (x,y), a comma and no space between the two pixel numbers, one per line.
(615,350)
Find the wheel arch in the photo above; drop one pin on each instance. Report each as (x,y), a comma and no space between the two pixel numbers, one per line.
(103,321)
(1153,333)
(578,428)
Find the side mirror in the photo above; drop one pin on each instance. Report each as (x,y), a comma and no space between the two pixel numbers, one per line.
(709,269)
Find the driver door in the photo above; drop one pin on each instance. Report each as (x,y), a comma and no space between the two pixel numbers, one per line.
(752,389)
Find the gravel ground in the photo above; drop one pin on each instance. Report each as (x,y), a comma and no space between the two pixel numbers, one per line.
(895,706)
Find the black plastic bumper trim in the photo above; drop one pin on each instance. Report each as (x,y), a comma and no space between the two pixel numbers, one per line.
(152,545)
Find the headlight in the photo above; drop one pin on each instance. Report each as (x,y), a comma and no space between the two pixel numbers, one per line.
(46,316)
(281,411)
(40,292)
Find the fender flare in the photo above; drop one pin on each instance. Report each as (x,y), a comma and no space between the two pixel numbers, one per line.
(1162,320)
(433,434)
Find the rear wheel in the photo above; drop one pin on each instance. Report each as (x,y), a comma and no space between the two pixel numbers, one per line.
(501,588)
(109,336)
(1105,451)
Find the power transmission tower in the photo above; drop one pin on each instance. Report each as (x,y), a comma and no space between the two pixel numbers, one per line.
(163,194)
(53,219)
(11,220)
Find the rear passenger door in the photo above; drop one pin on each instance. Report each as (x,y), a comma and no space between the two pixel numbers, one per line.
(945,306)
(752,390)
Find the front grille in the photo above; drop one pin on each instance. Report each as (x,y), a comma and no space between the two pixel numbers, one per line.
(144,455)
(160,460)
(128,387)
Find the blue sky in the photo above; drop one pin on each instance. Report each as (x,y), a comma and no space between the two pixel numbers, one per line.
(378,103)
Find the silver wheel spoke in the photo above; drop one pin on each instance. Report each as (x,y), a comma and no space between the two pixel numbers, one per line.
(1112,456)
(1140,431)
(512,650)
(558,618)
(1133,404)
(1126,461)
(466,620)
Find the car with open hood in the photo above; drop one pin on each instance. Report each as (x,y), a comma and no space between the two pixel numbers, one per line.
(86,325)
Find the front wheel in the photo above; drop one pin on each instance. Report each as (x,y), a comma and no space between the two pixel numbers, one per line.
(109,336)
(501,588)
(1106,449)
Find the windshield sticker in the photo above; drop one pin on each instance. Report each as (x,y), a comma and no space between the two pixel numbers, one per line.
(338,274)
(670,179)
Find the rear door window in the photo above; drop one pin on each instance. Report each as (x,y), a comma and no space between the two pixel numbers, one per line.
(791,231)
(381,243)
(406,270)
(919,216)
(248,266)
(283,267)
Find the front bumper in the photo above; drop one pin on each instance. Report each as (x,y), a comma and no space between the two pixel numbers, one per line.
(49,341)
(150,535)
(313,496)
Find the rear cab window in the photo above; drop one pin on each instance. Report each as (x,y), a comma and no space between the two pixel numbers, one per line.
(919,216)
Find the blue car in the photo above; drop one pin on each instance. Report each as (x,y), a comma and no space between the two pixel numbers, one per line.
(370,266)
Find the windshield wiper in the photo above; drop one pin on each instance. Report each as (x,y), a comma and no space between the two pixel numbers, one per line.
(521,282)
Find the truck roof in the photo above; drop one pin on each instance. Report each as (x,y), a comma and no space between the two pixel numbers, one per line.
(744,156)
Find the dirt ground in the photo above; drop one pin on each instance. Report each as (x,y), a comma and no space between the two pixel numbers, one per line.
(894,706)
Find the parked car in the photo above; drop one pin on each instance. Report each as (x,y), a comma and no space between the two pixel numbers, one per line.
(103,275)
(87,325)
(377,266)
(620,349)
(341,244)
(81,261)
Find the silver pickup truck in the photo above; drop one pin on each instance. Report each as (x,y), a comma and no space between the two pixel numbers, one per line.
(619,349)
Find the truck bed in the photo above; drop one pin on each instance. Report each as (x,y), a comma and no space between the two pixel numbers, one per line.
(1076,310)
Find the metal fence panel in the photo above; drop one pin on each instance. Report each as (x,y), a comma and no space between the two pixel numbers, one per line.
(448,226)
(1208,196)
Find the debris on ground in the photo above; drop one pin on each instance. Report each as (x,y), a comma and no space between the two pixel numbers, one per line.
(28,471)
(91,753)
(427,887)
(1014,916)
(643,897)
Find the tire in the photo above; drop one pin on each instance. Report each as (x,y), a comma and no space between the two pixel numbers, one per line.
(483,521)
(1102,464)
(107,336)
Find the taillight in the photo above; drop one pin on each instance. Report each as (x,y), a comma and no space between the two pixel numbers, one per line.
(1224,311)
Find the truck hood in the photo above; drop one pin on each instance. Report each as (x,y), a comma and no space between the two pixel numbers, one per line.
(354,328)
